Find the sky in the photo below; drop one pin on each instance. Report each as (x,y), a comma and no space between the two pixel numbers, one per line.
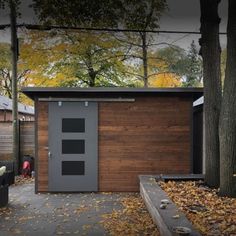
(183,15)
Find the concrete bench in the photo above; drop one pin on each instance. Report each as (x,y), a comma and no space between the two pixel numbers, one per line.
(152,195)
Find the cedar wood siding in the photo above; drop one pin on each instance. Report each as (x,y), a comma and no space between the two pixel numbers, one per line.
(149,136)
(42,151)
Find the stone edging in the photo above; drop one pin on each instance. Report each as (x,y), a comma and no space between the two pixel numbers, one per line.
(152,195)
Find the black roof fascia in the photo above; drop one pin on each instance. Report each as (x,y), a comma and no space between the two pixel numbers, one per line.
(33,92)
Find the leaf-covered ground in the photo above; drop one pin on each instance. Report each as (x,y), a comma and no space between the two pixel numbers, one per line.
(73,214)
(23,180)
(133,219)
(209,213)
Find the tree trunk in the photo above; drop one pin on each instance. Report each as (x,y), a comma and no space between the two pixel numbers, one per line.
(145,67)
(92,76)
(15,122)
(92,80)
(228,112)
(210,51)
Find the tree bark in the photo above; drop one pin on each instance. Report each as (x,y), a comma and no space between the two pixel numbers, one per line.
(228,112)
(92,78)
(210,51)
(15,122)
(145,60)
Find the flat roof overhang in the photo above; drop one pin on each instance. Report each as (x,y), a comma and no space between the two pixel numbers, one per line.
(105,92)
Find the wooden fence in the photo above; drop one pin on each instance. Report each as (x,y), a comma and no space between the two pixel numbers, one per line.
(26,137)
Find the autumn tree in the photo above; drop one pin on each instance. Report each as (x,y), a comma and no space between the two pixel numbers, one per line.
(210,51)
(5,71)
(134,15)
(183,66)
(95,59)
(75,59)
(192,67)
(142,16)
(32,68)
(160,69)
(228,112)
(165,80)
(187,64)
(80,13)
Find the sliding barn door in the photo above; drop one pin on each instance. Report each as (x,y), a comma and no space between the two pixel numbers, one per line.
(73,164)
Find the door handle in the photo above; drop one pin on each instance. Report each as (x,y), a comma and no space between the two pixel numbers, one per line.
(49,154)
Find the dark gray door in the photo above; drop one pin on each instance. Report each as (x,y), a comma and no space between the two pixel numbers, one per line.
(73,146)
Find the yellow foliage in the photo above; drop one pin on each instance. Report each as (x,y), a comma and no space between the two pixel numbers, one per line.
(154,63)
(25,100)
(165,80)
(55,58)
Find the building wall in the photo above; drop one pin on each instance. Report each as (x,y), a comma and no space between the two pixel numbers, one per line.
(198,139)
(149,136)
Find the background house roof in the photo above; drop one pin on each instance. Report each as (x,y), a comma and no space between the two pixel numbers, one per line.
(6,104)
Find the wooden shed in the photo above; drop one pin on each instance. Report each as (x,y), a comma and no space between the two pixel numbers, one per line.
(101,139)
